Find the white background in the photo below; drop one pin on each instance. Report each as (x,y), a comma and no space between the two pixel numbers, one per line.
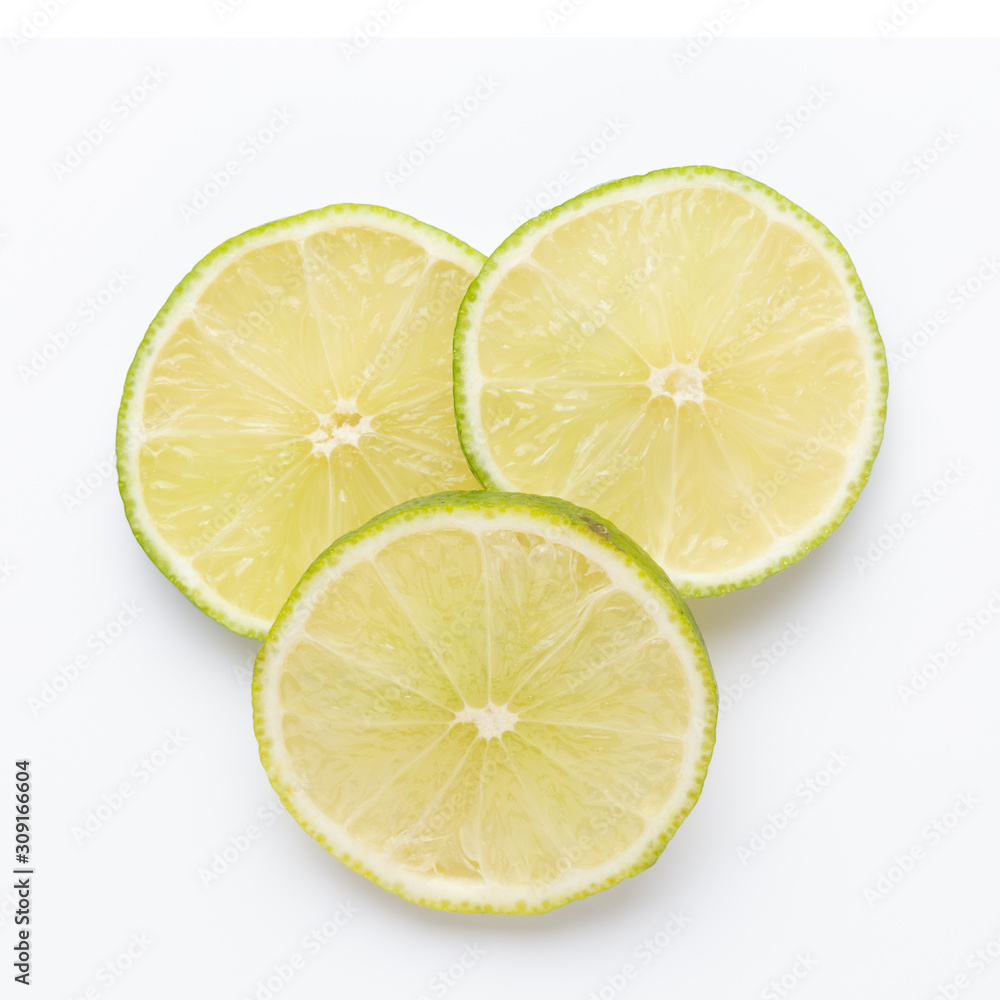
(67,566)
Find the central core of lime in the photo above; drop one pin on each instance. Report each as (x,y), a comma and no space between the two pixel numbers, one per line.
(491,720)
(344,426)
(682,383)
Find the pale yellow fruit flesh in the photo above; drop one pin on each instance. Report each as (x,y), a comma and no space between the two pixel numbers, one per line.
(307,389)
(487,708)
(686,364)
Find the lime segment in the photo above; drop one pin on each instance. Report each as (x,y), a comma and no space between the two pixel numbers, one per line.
(296,383)
(689,354)
(487,702)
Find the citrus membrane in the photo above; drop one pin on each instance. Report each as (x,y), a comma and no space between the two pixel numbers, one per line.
(689,354)
(486,702)
(297,382)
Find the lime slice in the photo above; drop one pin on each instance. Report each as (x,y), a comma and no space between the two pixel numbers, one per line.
(689,354)
(486,702)
(297,382)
